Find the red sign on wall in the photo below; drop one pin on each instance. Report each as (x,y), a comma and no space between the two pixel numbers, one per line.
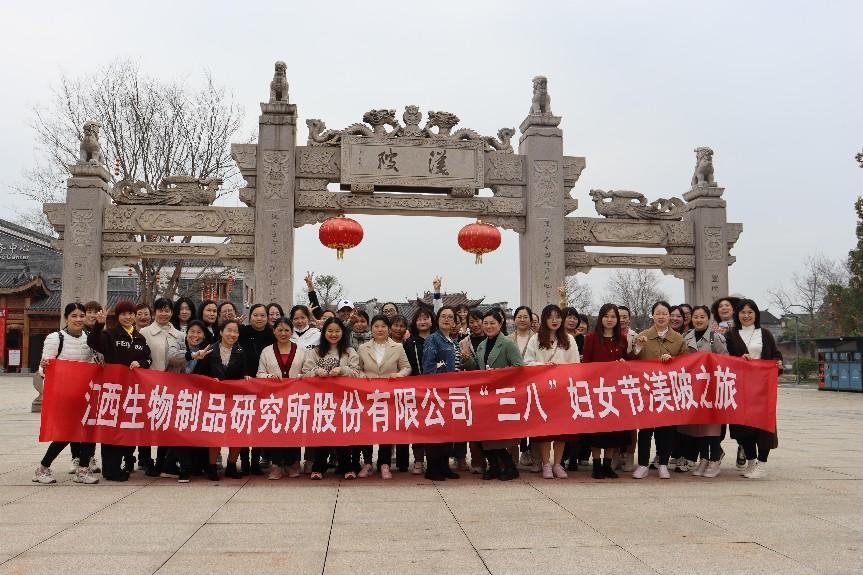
(3,314)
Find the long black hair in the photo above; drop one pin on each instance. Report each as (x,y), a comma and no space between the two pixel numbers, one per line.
(175,317)
(423,310)
(599,329)
(544,334)
(343,344)
(751,304)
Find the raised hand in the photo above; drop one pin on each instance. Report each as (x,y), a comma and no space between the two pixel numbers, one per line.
(310,281)
(436,283)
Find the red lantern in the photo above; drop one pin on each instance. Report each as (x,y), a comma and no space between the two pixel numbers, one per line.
(479,239)
(340,234)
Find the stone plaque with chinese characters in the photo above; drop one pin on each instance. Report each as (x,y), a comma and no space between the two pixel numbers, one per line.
(412,162)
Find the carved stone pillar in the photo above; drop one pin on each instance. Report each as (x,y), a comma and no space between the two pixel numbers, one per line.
(86,199)
(541,248)
(274,203)
(713,238)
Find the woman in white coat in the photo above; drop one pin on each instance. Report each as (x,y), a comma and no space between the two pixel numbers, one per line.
(283,359)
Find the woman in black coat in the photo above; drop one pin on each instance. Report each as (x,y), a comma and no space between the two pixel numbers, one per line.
(225,360)
(751,341)
(254,338)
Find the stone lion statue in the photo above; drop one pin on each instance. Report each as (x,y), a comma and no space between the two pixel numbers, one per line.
(703,166)
(91,152)
(541,102)
(279,85)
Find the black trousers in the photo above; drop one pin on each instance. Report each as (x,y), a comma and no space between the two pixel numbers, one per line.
(757,446)
(664,439)
(459,450)
(403,456)
(321,455)
(85,452)
(283,455)
(112,458)
(684,445)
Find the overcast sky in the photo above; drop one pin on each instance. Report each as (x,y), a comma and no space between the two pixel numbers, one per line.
(773,87)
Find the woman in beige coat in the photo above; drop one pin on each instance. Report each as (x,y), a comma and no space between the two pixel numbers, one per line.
(381,357)
(284,359)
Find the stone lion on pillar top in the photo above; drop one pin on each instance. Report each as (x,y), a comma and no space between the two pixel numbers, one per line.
(91,151)
(279,85)
(703,174)
(541,102)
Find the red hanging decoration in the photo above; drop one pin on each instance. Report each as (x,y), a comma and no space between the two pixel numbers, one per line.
(479,239)
(340,234)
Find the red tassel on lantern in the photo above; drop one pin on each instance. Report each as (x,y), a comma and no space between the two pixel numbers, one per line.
(340,234)
(479,239)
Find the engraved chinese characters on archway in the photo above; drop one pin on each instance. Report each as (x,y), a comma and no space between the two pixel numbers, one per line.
(412,162)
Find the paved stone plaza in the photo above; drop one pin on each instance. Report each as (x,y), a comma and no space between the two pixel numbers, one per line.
(806,518)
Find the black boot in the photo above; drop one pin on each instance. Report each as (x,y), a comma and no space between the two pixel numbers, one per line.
(245,464)
(508,470)
(256,461)
(212,473)
(231,470)
(492,469)
(597,469)
(446,470)
(607,471)
(433,470)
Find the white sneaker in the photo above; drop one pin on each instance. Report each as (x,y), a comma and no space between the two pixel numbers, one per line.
(275,473)
(759,472)
(702,465)
(74,467)
(750,467)
(43,475)
(640,472)
(94,465)
(385,472)
(366,471)
(85,476)
(418,468)
(663,472)
(682,465)
(712,469)
(525,459)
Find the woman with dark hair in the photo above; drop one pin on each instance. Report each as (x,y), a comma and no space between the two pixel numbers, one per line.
(121,345)
(194,460)
(496,352)
(422,326)
(675,319)
(440,355)
(551,345)
(143,315)
(467,348)
(254,338)
(228,361)
(706,437)
(208,313)
(381,358)
(521,318)
(360,329)
(306,334)
(687,316)
(605,343)
(390,310)
(274,312)
(227,310)
(184,312)
(751,341)
(284,359)
(722,312)
(70,344)
(662,343)
(462,312)
(333,357)
(398,328)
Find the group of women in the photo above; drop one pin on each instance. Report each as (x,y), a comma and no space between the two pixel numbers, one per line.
(210,339)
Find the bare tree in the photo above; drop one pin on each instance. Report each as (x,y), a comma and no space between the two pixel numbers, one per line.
(636,289)
(328,289)
(579,296)
(808,290)
(150,129)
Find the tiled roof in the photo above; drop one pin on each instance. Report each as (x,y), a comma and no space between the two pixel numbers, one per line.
(11,280)
(52,302)
(409,308)
(27,234)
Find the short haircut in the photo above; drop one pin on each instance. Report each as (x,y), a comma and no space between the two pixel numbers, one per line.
(423,310)
(124,306)
(662,303)
(283,321)
(163,303)
(92,305)
(703,308)
(143,305)
(383,318)
(398,318)
(75,305)
(750,304)
(362,313)
(277,306)
(714,309)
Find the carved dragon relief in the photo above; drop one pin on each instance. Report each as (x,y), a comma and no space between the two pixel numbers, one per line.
(633,205)
(439,126)
(172,191)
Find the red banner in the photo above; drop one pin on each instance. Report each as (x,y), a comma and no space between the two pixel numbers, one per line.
(113,404)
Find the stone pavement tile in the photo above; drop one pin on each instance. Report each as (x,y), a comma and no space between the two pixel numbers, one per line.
(299,490)
(846,486)
(853,521)
(586,507)
(836,556)
(175,493)
(379,534)
(488,508)
(124,512)
(293,562)
(533,532)
(26,512)
(652,529)
(19,538)
(247,538)
(757,525)
(419,563)
(460,491)
(396,511)
(848,471)
(77,563)
(13,462)
(23,476)
(84,495)
(276,511)
(11,493)
(820,502)
(132,538)
(717,559)
(563,560)
(395,491)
